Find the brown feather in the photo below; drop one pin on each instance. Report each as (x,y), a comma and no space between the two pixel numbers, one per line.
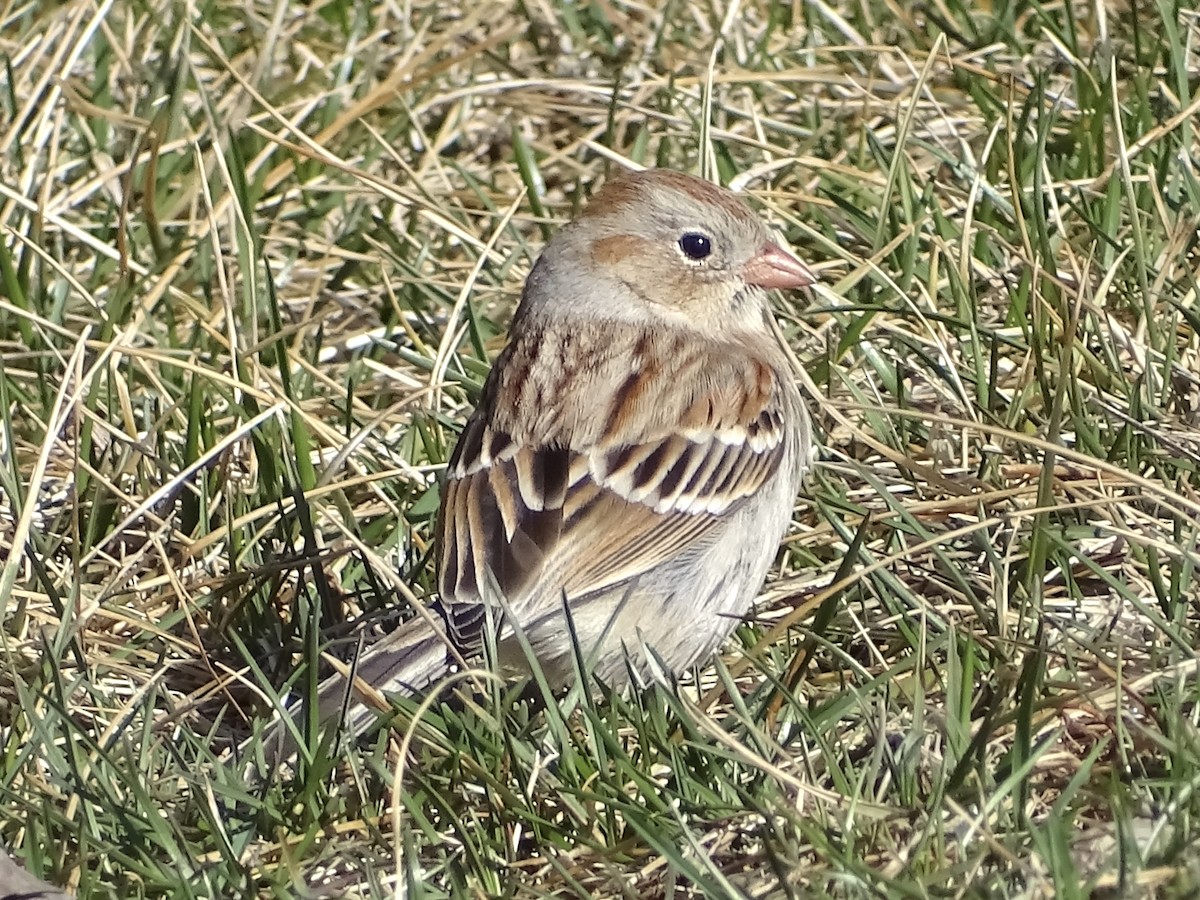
(630,505)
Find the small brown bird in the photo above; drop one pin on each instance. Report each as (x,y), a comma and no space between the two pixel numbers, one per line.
(634,458)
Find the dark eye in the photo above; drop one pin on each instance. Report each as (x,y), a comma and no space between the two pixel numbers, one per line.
(695,246)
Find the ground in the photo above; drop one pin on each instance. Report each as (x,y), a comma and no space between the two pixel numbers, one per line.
(254,260)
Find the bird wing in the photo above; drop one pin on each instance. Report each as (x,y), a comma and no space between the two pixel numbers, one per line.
(575,510)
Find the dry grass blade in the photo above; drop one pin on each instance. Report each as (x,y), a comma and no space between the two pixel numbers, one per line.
(254,261)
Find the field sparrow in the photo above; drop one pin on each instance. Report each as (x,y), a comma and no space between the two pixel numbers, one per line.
(634,458)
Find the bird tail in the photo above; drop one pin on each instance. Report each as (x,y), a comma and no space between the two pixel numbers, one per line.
(407,661)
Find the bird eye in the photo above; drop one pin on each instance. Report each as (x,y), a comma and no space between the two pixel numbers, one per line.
(695,246)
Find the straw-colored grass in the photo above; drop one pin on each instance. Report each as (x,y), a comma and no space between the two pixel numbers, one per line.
(254,259)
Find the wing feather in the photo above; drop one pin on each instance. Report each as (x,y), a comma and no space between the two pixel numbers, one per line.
(558,509)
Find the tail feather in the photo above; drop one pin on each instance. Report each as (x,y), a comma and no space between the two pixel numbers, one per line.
(407,661)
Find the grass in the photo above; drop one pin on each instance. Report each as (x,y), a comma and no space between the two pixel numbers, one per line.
(253,262)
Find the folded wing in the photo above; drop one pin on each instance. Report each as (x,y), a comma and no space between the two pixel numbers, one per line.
(575,509)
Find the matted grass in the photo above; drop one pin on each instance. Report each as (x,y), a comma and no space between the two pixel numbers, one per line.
(253,262)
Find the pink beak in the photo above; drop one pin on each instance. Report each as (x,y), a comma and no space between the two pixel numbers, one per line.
(774,267)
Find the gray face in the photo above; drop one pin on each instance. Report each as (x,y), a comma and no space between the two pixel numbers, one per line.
(657,246)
